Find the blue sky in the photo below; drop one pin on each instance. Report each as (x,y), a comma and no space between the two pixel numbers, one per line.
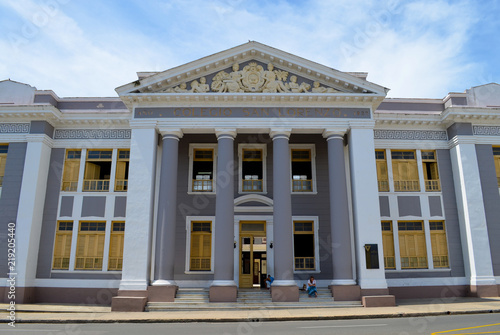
(417,48)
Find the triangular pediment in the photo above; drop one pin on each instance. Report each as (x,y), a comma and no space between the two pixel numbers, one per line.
(251,68)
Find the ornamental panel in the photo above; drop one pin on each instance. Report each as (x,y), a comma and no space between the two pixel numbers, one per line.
(103,134)
(486,130)
(11,128)
(410,135)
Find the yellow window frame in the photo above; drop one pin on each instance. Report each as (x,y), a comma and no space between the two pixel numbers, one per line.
(439,244)
(388,245)
(203,159)
(62,246)
(412,246)
(90,259)
(116,243)
(200,257)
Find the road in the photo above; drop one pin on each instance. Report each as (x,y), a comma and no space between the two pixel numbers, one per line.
(397,326)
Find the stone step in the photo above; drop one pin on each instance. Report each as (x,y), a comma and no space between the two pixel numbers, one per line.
(158,306)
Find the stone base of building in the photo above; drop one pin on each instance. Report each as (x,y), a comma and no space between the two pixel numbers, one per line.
(346,292)
(378,300)
(129,301)
(223,293)
(484,291)
(61,295)
(285,293)
(162,293)
(429,292)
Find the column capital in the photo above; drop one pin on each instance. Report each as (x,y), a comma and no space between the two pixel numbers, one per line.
(171,132)
(283,132)
(32,138)
(334,132)
(225,132)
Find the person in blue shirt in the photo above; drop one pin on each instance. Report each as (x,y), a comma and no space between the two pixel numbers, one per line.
(311,287)
(269,281)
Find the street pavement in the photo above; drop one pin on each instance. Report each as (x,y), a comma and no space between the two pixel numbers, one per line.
(52,313)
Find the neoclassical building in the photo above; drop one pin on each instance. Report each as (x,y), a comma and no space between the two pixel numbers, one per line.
(248,162)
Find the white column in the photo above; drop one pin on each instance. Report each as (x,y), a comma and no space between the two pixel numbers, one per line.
(31,204)
(365,203)
(140,200)
(471,215)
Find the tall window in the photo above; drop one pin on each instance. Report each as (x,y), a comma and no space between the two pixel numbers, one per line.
(302,171)
(405,171)
(382,176)
(121,179)
(496,157)
(388,243)
(90,245)
(3,158)
(117,236)
(439,245)
(201,246)
(252,170)
(71,170)
(97,170)
(62,245)
(430,167)
(203,170)
(303,245)
(412,246)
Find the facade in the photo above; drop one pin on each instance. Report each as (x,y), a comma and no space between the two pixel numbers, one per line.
(248,162)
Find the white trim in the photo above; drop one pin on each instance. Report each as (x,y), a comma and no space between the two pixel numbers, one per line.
(312,147)
(437,281)
(262,147)
(315,220)
(77,283)
(193,146)
(253,209)
(190,219)
(253,197)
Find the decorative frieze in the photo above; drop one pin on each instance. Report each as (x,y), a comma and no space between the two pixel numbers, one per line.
(14,128)
(486,130)
(410,135)
(102,134)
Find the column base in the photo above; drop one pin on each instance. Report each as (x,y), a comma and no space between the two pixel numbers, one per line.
(223,293)
(129,301)
(346,292)
(164,293)
(379,301)
(483,291)
(285,293)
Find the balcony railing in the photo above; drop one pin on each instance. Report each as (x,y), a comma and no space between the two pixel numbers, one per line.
(441,261)
(200,264)
(88,263)
(414,262)
(432,185)
(383,185)
(304,263)
(115,263)
(61,263)
(252,185)
(121,184)
(98,185)
(69,186)
(202,185)
(302,185)
(406,186)
(389,262)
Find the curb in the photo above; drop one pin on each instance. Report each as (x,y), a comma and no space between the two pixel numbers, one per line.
(262,319)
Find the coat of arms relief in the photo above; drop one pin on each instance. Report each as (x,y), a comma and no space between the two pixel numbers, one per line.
(251,79)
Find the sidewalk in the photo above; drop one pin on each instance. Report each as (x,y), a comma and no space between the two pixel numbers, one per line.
(49,313)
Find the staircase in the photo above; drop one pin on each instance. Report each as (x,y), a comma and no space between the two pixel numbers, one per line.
(198,299)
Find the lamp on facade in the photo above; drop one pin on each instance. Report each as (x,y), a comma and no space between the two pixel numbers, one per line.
(271,245)
(235,244)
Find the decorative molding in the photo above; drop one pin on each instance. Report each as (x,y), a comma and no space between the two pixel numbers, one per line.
(411,135)
(104,134)
(11,128)
(486,130)
(253,78)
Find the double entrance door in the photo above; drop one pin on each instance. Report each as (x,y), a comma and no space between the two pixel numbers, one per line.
(253,256)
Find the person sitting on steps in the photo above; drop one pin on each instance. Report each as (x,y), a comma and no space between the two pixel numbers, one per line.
(311,287)
(269,281)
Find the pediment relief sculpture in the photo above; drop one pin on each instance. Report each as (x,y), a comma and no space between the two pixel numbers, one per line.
(251,79)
